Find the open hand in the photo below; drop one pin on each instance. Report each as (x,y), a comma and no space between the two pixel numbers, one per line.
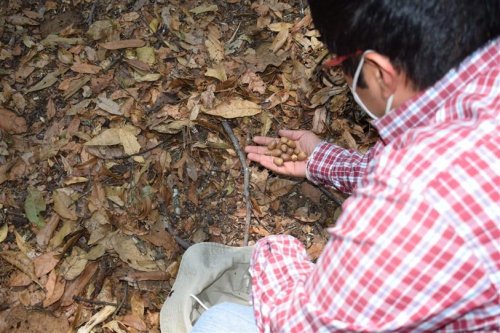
(306,141)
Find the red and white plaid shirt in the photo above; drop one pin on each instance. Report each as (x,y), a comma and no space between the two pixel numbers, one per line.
(417,247)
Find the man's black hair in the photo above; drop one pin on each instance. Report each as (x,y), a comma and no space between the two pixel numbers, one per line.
(424,38)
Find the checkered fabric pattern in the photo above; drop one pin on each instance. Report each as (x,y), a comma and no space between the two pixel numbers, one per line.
(417,247)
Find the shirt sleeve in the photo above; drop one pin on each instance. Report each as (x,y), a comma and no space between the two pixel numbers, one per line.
(335,166)
(380,271)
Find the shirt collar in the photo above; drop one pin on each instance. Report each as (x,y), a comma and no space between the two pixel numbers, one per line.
(420,109)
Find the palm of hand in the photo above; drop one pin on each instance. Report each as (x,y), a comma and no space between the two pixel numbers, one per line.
(306,141)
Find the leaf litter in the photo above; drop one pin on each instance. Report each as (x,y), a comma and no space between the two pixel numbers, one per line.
(113,157)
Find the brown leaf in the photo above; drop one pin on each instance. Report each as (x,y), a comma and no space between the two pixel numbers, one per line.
(21,20)
(73,265)
(19,279)
(46,82)
(279,186)
(24,320)
(45,263)
(304,215)
(4,171)
(85,68)
(63,205)
(51,109)
(44,235)
(137,304)
(134,322)
(311,192)
(158,236)
(319,120)
(234,108)
(129,253)
(280,40)
(76,286)
(55,289)
(11,122)
(123,44)
(214,46)
(21,262)
(108,105)
(126,136)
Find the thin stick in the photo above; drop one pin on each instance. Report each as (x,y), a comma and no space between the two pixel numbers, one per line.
(80,299)
(163,213)
(90,19)
(246,172)
(329,195)
(123,300)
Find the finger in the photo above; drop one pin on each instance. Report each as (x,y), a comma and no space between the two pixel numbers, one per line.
(263,140)
(292,134)
(267,162)
(262,150)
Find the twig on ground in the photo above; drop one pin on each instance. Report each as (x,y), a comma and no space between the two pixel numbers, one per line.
(182,242)
(90,19)
(246,172)
(329,195)
(80,299)
(125,294)
(233,36)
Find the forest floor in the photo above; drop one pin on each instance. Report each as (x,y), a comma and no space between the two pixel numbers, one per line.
(113,156)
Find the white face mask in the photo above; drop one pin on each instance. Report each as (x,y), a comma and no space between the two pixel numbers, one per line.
(356,96)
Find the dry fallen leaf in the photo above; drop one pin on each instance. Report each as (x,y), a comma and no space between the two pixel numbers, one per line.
(45,263)
(217,72)
(21,262)
(73,265)
(279,187)
(63,205)
(126,136)
(280,40)
(304,215)
(128,252)
(12,123)
(108,105)
(234,108)
(55,289)
(204,8)
(123,44)
(214,46)
(84,68)
(4,231)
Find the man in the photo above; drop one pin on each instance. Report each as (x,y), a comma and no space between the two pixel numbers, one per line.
(417,247)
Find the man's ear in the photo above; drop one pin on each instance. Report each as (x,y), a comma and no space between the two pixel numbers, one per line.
(387,76)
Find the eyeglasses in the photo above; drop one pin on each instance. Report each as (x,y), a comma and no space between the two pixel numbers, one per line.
(338,60)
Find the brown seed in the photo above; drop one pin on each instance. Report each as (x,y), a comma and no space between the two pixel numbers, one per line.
(285,157)
(275,152)
(289,151)
(301,156)
(296,151)
(294,157)
(272,145)
(284,148)
(291,144)
(278,161)
(284,140)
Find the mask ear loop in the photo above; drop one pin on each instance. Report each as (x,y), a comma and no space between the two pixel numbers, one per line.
(390,100)
(389,104)
(355,83)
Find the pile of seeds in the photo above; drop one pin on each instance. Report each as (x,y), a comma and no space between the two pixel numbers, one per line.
(285,150)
